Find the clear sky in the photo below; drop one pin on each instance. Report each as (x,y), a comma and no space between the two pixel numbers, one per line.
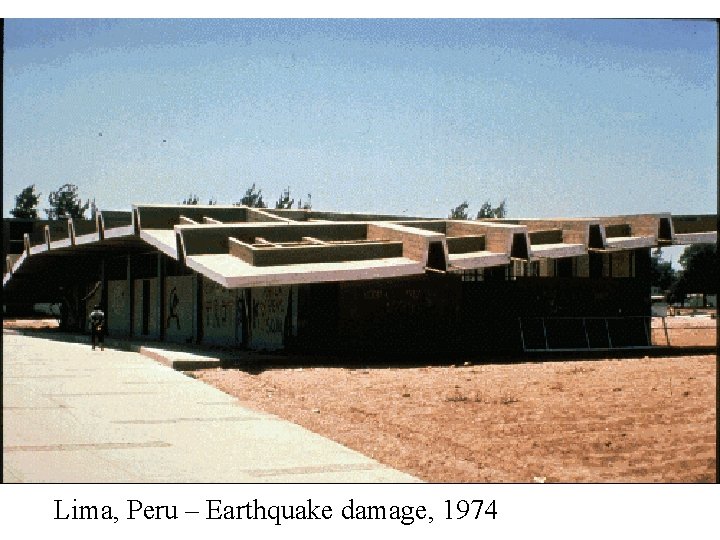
(559,117)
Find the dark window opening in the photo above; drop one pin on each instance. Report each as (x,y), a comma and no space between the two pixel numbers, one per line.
(664,230)
(595,240)
(596,265)
(564,267)
(519,247)
(436,257)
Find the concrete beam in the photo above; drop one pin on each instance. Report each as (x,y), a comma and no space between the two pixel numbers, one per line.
(695,224)
(465,244)
(313,240)
(262,241)
(574,230)
(478,259)
(257,215)
(165,241)
(498,236)
(557,251)
(149,216)
(313,253)
(415,242)
(638,225)
(631,242)
(205,239)
(696,238)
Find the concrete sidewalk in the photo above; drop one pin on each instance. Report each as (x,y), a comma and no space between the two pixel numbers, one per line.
(71,414)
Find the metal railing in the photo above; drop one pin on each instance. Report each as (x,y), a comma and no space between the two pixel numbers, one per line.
(584,333)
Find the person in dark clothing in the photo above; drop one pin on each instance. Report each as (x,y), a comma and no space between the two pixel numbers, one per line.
(97,327)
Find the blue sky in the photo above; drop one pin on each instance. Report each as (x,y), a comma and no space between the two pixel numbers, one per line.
(559,117)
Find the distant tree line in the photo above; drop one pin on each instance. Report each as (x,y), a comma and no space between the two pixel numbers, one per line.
(487,211)
(64,202)
(253,198)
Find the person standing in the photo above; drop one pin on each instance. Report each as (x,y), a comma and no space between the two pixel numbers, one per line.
(97,327)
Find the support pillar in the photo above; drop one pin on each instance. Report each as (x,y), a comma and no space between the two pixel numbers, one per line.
(161,294)
(198,313)
(131,292)
(104,290)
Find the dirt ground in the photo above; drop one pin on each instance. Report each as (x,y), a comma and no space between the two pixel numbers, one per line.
(683,331)
(33,324)
(629,420)
(646,419)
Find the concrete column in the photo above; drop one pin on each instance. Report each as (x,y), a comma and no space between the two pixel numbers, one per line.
(198,312)
(161,294)
(103,287)
(131,292)
(195,310)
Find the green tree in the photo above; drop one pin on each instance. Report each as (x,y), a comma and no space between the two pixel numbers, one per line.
(307,205)
(487,210)
(285,202)
(460,211)
(699,274)
(253,198)
(662,274)
(66,203)
(26,203)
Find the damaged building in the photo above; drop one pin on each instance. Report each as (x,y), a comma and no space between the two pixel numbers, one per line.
(338,283)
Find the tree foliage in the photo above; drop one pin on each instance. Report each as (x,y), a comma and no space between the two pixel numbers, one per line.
(700,271)
(460,211)
(26,203)
(253,198)
(66,203)
(307,205)
(487,210)
(662,274)
(285,202)
(194,199)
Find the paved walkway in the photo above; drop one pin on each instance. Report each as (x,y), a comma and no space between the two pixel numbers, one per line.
(71,414)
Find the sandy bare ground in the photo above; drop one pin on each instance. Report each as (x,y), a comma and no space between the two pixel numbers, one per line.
(31,324)
(630,420)
(684,331)
(612,420)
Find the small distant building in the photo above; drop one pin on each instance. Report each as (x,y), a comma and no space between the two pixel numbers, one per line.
(326,282)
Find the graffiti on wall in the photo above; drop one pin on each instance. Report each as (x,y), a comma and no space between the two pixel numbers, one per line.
(241,316)
(172,309)
(218,313)
(269,312)
(179,306)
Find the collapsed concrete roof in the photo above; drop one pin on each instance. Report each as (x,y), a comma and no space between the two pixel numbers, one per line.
(237,246)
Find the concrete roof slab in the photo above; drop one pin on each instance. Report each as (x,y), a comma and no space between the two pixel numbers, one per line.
(696,238)
(631,242)
(162,239)
(232,272)
(556,251)
(478,259)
